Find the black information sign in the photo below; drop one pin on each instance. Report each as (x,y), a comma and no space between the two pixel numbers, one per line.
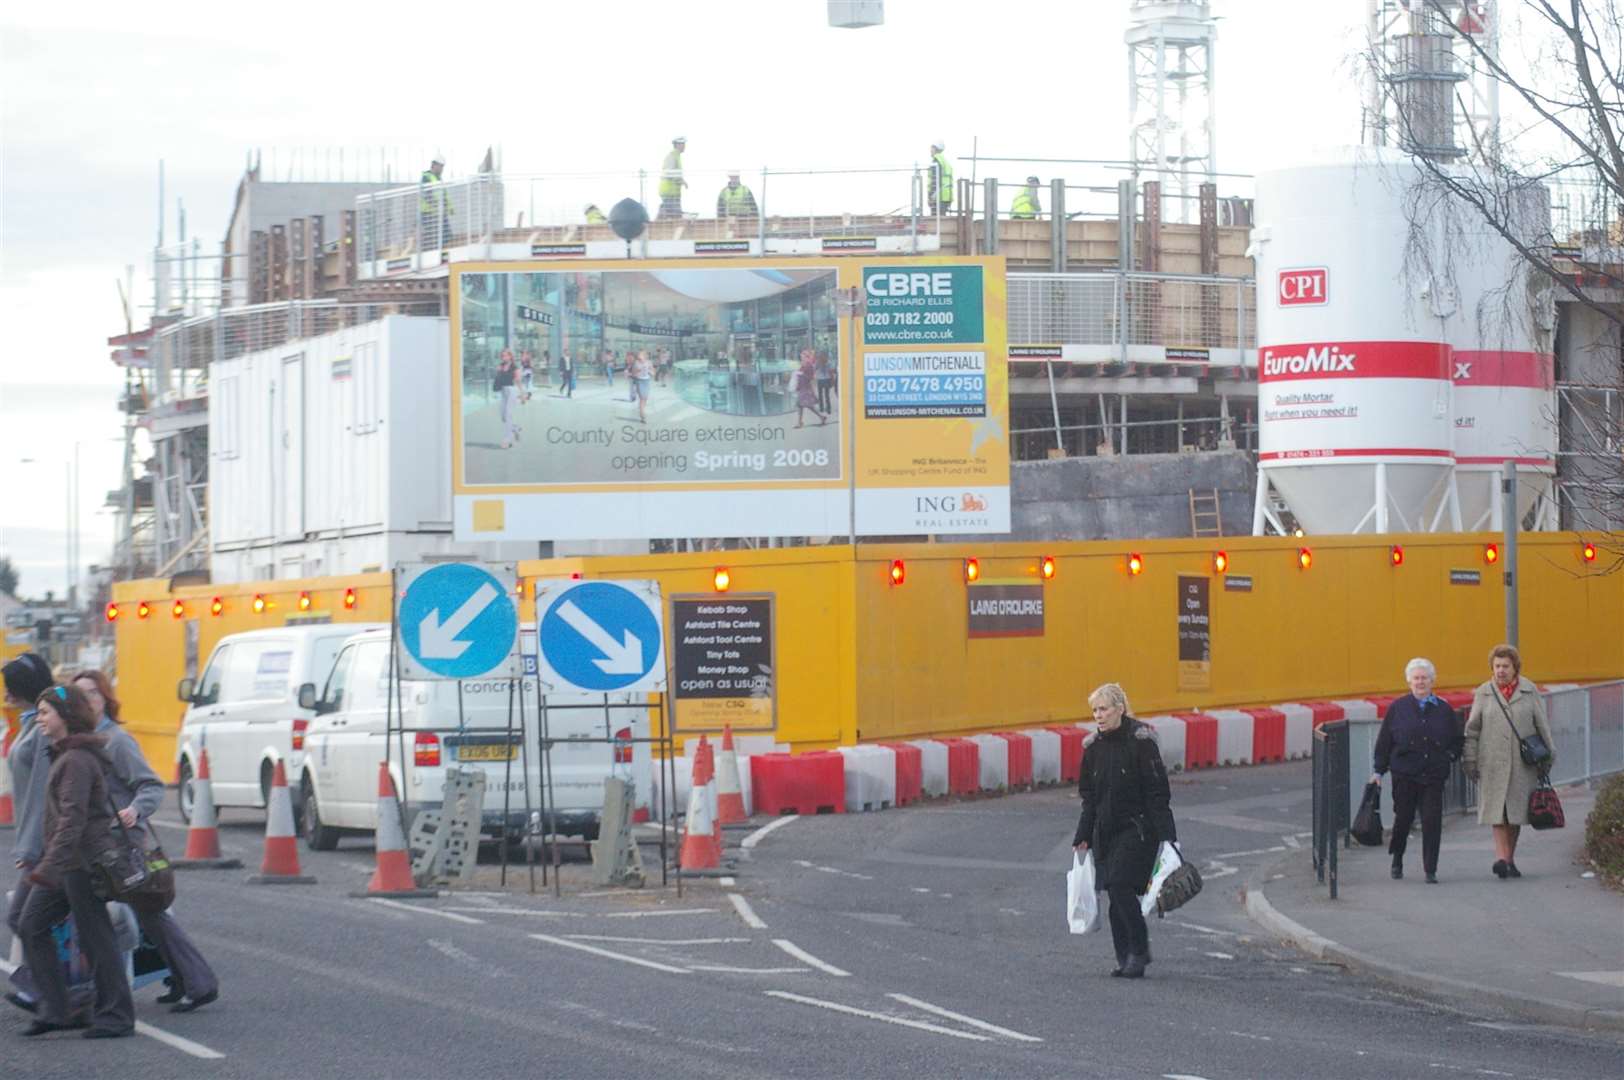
(1195,634)
(723,662)
(1465,577)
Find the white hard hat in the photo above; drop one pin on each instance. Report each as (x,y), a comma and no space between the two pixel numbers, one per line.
(438,159)
(680,138)
(733,172)
(938,144)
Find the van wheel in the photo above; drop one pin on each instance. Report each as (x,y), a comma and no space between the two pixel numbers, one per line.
(318,837)
(185,791)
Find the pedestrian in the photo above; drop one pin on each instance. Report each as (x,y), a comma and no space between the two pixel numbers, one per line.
(610,363)
(671,181)
(806,394)
(1127,815)
(26,678)
(940,191)
(640,376)
(1026,206)
(1505,710)
(735,200)
(433,208)
(826,383)
(78,834)
(594,216)
(527,374)
(1420,739)
(566,373)
(505,385)
(137,793)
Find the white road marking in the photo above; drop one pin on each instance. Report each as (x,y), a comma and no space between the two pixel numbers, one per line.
(1249,1035)
(1216,869)
(746,912)
(660,941)
(1601,978)
(807,958)
(185,1046)
(622,957)
(493,910)
(918,1025)
(750,971)
(1219,955)
(1198,928)
(754,838)
(1255,851)
(1182,1076)
(832,870)
(728,882)
(169,823)
(452,915)
(652,914)
(961,1018)
(1292,841)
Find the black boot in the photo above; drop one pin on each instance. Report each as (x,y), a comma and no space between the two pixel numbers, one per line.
(1134,968)
(1398,869)
(174,992)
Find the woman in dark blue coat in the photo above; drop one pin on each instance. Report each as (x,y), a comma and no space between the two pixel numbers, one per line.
(1126,816)
(1420,739)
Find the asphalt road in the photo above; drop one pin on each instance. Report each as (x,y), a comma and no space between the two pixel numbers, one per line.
(925,942)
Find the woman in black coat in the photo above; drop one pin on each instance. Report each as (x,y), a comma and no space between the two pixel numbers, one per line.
(1127,813)
(1420,740)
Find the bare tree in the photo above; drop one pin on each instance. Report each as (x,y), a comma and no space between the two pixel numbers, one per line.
(1556,68)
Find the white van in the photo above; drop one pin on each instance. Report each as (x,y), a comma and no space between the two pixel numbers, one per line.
(246,710)
(443,723)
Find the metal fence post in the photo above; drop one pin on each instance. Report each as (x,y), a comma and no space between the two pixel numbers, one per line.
(761,214)
(1589,772)
(1057,225)
(990,216)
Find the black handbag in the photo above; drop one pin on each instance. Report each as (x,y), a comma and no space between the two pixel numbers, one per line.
(1544,808)
(1367,823)
(1535,753)
(131,874)
(1180,887)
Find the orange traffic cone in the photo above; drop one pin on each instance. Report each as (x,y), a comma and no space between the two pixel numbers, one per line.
(393,877)
(729,794)
(203,838)
(281,864)
(701,850)
(8,814)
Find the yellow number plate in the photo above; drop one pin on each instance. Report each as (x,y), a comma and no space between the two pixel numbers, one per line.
(495,752)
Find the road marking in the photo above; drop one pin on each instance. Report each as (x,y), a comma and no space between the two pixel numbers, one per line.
(1182,1076)
(622,957)
(660,941)
(831,870)
(1198,928)
(452,915)
(755,838)
(1292,841)
(746,912)
(1216,869)
(1256,851)
(727,882)
(493,910)
(168,824)
(1249,1035)
(807,958)
(653,914)
(1219,955)
(185,1046)
(961,1018)
(1600,978)
(918,1025)
(749,971)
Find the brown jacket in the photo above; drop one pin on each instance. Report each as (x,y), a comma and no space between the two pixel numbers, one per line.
(78,817)
(1492,758)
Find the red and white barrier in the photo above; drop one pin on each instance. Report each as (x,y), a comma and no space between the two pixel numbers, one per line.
(799,783)
(1357,708)
(910,779)
(1269,734)
(963,766)
(994,762)
(1200,740)
(1170,738)
(1071,751)
(871,777)
(1045,755)
(1235,736)
(1020,758)
(932,766)
(1299,729)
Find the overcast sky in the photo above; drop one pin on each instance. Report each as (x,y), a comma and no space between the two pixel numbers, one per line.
(94,94)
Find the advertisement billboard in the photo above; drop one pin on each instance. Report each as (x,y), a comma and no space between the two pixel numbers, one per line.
(665,398)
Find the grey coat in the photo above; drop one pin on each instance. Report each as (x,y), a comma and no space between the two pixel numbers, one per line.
(30,774)
(1492,758)
(130,781)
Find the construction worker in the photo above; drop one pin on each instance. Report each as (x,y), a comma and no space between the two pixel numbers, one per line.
(1026,206)
(433,208)
(735,200)
(940,191)
(671,181)
(594,216)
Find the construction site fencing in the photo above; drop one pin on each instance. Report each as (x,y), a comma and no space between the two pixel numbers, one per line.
(181,352)
(1132,308)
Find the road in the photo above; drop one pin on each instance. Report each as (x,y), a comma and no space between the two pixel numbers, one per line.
(925,942)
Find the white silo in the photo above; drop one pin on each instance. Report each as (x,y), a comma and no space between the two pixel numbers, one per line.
(1354,429)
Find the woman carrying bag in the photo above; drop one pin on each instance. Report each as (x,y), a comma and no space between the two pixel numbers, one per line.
(137,793)
(1127,815)
(79,832)
(1508,751)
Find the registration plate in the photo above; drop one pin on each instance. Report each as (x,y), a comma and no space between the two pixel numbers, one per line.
(492,752)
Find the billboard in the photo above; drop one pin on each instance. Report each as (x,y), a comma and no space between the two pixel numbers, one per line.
(664,398)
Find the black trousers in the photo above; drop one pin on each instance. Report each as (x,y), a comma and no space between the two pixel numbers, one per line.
(1428,795)
(185,963)
(1128,931)
(113,1008)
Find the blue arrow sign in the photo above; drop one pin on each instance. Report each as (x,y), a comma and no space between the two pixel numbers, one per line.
(458,621)
(598,636)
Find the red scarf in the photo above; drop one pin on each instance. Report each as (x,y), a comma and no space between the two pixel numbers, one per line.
(1507,691)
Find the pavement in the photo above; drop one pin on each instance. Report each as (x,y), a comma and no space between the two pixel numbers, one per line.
(928,942)
(1548,948)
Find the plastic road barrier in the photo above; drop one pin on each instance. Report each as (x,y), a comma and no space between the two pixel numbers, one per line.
(1269,733)
(813,783)
(871,777)
(994,762)
(910,779)
(1170,735)
(1020,758)
(1045,755)
(1071,752)
(933,771)
(1200,740)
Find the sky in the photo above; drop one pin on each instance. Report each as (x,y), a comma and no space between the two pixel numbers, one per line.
(94,94)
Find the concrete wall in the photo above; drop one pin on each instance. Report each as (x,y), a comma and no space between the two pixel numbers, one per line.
(1140,495)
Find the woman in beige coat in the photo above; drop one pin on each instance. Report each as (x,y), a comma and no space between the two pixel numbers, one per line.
(1505,709)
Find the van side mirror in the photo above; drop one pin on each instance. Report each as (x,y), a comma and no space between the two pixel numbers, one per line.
(307,697)
(185,689)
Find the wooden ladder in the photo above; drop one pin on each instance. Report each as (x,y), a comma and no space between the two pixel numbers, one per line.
(1205,519)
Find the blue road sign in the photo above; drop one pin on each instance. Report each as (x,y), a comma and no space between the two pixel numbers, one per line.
(457,621)
(599,636)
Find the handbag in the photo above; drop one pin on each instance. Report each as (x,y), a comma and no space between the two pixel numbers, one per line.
(1533,749)
(132,874)
(1367,823)
(1179,888)
(1544,808)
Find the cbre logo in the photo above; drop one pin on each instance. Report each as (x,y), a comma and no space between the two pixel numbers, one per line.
(1301,286)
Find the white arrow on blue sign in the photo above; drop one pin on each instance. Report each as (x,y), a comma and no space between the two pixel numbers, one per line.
(457,621)
(600,636)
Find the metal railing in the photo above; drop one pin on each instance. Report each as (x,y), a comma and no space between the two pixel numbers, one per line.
(1132,308)
(1331,813)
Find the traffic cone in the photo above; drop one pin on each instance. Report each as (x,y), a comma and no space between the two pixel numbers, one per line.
(729,794)
(8,814)
(281,863)
(701,850)
(203,838)
(393,877)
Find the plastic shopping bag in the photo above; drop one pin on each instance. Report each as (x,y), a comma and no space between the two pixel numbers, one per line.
(1367,823)
(1082,905)
(1167,861)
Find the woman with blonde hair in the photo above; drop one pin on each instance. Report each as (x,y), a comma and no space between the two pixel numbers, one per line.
(1126,816)
(1508,715)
